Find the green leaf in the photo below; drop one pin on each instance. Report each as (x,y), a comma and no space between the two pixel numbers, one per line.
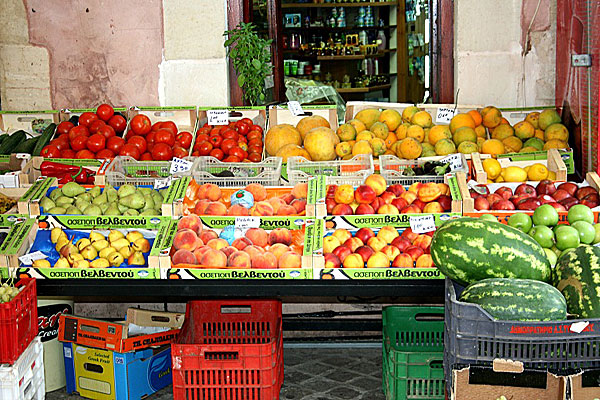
(256,64)
(228,42)
(241,80)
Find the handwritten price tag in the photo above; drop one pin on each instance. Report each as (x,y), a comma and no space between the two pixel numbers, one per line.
(217,117)
(245,223)
(163,183)
(455,161)
(28,259)
(444,115)
(295,108)
(179,165)
(422,223)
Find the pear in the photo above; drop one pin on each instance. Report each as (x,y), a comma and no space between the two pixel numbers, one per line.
(95,192)
(100,244)
(133,236)
(102,198)
(72,189)
(81,264)
(41,264)
(72,210)
(100,263)
(158,198)
(55,194)
(145,191)
(131,213)
(113,209)
(61,242)
(106,252)
(135,200)
(122,208)
(150,212)
(116,259)
(111,194)
(62,263)
(74,257)
(120,243)
(83,243)
(57,233)
(126,251)
(142,245)
(46,203)
(149,202)
(64,201)
(137,258)
(95,236)
(82,204)
(89,253)
(85,196)
(56,210)
(68,249)
(126,190)
(104,207)
(115,235)
(92,210)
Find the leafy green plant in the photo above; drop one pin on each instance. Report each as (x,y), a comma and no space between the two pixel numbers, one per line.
(251,57)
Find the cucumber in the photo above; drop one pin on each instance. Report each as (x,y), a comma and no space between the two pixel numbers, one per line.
(44,139)
(12,141)
(27,146)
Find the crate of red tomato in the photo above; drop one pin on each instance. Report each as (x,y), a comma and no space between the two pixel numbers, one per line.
(230,134)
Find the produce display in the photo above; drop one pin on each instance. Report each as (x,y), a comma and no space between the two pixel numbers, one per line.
(311,138)
(19,142)
(535,172)
(160,141)
(67,173)
(239,141)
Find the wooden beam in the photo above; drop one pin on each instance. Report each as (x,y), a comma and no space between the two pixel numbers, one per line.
(402,52)
(275,21)
(235,15)
(442,54)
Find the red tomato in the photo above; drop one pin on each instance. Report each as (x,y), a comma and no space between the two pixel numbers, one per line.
(196,154)
(146,157)
(162,152)
(87,118)
(50,151)
(217,153)
(201,138)
(237,152)
(227,145)
(242,139)
(64,127)
(242,127)
(205,130)
(79,130)
(164,136)
(95,125)
(254,149)
(96,142)
(156,126)
(140,124)
(254,135)
(255,142)
(215,131)
(204,148)
(130,150)
(232,159)
(185,138)
(231,134)
(68,153)
(79,143)
(254,157)
(170,125)
(216,140)
(256,128)
(105,112)
(107,131)
(247,121)
(231,125)
(85,154)
(61,143)
(114,144)
(118,123)
(179,152)
(151,137)
(139,142)
(105,154)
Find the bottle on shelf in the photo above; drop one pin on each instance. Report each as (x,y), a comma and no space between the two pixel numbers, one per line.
(382,41)
(362,38)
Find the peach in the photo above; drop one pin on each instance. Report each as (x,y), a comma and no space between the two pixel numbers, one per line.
(378,260)
(353,243)
(192,222)
(342,234)
(415,252)
(387,197)
(445,189)
(423,241)
(344,194)
(445,201)
(376,243)
(217,244)
(330,243)
(415,187)
(419,204)
(299,205)
(241,243)
(377,182)
(409,234)
(207,234)
(290,260)
(258,191)
(365,252)
(424,261)
(433,207)
(183,257)
(287,210)
(388,234)
(214,259)
(364,194)
(300,191)
(387,209)
(403,260)
(412,209)
(209,191)
(264,261)
(330,205)
(215,208)
(200,207)
(278,249)
(237,210)
(229,250)
(342,209)
(390,251)
(199,252)
(342,252)
(239,259)
(409,197)
(276,202)
(332,261)
(353,261)
(399,203)
(186,239)
(287,198)
(364,209)
(262,209)
(429,192)
(254,251)
(280,235)
(378,202)
(397,189)
(364,234)
(258,236)
(401,243)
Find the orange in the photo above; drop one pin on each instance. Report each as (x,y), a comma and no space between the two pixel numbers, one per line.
(524,130)
(439,132)
(502,131)
(512,144)
(493,147)
(491,117)
(416,132)
(481,132)
(409,148)
(390,140)
(460,120)
(476,117)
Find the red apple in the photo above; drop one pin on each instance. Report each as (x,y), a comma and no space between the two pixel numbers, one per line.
(545,198)
(332,261)
(474,194)
(401,243)
(330,191)
(330,204)
(396,189)
(519,198)
(558,206)
(365,252)
(445,201)
(585,191)
(481,204)
(364,209)
(503,205)
(546,187)
(342,252)
(591,200)
(492,198)
(561,194)
(342,209)
(364,234)
(529,204)
(525,188)
(505,192)
(568,187)
(569,202)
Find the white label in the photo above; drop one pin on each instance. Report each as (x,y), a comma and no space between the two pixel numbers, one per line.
(269,82)
(28,259)
(179,165)
(245,223)
(68,353)
(455,161)
(295,108)
(217,117)
(422,223)
(444,115)
(163,183)
(578,327)
(23,156)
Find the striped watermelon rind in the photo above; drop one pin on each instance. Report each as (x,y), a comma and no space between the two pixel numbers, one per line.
(577,276)
(468,250)
(509,299)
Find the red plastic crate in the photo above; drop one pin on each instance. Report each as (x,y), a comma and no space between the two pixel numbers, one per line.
(18,322)
(229,350)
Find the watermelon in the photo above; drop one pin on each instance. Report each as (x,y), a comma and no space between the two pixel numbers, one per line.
(468,250)
(510,299)
(577,276)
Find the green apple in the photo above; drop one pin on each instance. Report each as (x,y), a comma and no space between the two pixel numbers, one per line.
(520,221)
(580,212)
(587,233)
(597,237)
(551,255)
(567,237)
(543,235)
(489,217)
(545,215)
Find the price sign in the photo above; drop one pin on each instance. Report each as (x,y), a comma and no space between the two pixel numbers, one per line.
(28,259)
(245,223)
(455,161)
(163,183)
(217,117)
(444,115)
(422,223)
(295,108)
(578,327)
(179,165)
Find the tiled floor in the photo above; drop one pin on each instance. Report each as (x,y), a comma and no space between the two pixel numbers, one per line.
(315,374)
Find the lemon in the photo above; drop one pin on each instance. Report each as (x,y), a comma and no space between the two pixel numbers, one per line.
(492,167)
(514,174)
(537,172)
(551,175)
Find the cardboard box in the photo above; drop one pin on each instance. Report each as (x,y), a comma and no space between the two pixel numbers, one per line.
(109,375)
(11,121)
(30,173)
(115,335)
(302,229)
(585,385)
(155,318)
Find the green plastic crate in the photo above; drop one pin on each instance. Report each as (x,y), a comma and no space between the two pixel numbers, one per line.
(413,344)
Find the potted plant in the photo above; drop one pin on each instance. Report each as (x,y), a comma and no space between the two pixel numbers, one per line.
(251,57)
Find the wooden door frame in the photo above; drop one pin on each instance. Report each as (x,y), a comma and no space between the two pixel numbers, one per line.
(442,51)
